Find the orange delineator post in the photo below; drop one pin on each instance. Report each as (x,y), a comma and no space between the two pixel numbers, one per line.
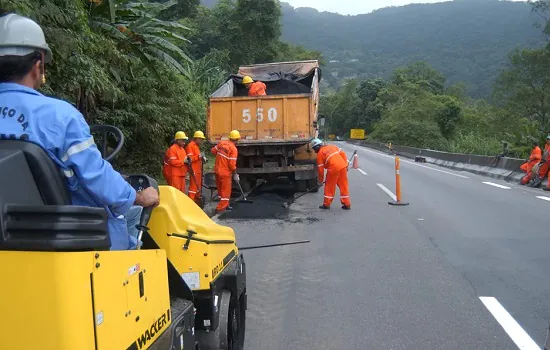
(397,185)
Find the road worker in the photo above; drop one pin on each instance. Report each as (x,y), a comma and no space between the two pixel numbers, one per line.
(534,159)
(542,170)
(197,160)
(255,88)
(225,168)
(334,160)
(61,130)
(178,161)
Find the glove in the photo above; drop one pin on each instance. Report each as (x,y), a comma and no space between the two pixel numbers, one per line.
(204,160)
(236,177)
(187,160)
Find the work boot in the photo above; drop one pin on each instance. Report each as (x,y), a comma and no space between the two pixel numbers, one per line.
(546,189)
(345,207)
(324,207)
(536,183)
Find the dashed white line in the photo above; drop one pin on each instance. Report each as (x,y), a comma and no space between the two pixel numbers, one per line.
(388,192)
(415,164)
(514,330)
(496,185)
(362,172)
(544,198)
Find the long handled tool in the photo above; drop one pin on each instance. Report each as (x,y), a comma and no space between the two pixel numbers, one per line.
(286,205)
(351,158)
(243,200)
(273,245)
(199,189)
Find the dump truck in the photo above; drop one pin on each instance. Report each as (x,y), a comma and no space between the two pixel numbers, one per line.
(276,128)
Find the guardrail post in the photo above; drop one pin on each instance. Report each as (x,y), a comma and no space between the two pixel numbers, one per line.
(398,201)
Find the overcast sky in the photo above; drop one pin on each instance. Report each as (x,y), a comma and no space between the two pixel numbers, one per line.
(353,7)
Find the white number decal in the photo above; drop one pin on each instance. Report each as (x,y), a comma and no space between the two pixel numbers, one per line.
(260,115)
(272,114)
(247,117)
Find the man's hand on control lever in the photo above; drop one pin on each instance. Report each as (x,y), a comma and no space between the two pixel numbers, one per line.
(149,197)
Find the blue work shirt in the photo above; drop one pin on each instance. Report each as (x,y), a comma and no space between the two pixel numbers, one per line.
(61,130)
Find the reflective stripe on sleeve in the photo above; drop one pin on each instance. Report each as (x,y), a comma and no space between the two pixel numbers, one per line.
(226,157)
(79,147)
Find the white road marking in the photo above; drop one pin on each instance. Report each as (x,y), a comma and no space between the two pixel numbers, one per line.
(514,330)
(496,185)
(416,164)
(362,172)
(388,192)
(543,198)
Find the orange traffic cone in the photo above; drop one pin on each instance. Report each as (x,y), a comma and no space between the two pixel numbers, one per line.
(355,162)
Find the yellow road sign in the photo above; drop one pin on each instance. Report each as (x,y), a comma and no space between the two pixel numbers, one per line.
(358,134)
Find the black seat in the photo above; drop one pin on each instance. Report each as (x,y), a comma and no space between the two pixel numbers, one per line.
(35,205)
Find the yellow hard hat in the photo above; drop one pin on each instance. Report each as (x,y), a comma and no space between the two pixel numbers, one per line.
(180,135)
(234,135)
(199,135)
(247,80)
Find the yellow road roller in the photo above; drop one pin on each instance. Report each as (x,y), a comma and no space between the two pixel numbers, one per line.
(63,289)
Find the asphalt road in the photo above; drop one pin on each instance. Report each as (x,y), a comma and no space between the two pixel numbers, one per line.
(464,266)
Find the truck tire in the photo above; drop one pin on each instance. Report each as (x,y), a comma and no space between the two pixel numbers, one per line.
(312,183)
(300,185)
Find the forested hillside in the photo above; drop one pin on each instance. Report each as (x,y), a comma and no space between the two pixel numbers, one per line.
(467,40)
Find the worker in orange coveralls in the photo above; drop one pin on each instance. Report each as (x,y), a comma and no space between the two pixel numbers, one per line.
(175,162)
(254,88)
(540,173)
(534,159)
(197,160)
(334,160)
(225,168)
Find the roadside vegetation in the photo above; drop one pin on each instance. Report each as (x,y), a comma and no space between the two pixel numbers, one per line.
(415,107)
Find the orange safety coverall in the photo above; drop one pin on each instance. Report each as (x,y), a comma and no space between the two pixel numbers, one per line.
(257,89)
(334,160)
(226,163)
(194,153)
(534,159)
(543,169)
(176,159)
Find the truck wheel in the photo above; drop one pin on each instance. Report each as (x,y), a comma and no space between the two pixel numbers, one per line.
(312,183)
(300,185)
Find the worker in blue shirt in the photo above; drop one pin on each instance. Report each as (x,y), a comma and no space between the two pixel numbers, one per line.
(60,129)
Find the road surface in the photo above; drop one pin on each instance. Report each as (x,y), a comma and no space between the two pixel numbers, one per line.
(464,266)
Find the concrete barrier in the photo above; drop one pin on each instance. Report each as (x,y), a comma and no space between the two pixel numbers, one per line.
(501,168)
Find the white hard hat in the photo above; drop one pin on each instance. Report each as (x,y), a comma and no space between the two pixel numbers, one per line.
(315,142)
(20,36)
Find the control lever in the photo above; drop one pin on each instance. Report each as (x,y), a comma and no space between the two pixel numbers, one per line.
(143,182)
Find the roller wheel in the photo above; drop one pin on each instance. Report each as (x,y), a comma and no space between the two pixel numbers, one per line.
(231,329)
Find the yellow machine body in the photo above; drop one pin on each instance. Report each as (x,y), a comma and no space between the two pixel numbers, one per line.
(83,300)
(198,248)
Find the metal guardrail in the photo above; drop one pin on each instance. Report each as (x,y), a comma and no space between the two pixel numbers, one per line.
(472,159)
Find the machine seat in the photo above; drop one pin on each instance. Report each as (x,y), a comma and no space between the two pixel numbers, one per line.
(35,205)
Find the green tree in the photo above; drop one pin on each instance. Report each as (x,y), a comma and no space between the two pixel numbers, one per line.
(525,86)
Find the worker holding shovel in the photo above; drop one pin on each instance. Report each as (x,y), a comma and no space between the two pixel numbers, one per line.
(197,159)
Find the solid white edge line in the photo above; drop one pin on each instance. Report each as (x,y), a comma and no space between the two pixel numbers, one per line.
(496,185)
(510,326)
(544,198)
(413,163)
(388,192)
(362,172)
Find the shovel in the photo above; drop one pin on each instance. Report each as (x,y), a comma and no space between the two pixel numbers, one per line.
(286,205)
(201,199)
(243,200)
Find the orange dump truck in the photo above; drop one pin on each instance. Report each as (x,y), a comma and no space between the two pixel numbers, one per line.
(275,129)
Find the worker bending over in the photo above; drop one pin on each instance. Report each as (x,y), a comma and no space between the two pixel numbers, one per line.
(225,168)
(60,129)
(255,88)
(534,159)
(195,168)
(176,161)
(334,160)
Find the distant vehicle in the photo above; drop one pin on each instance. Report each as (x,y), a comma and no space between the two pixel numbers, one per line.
(275,129)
